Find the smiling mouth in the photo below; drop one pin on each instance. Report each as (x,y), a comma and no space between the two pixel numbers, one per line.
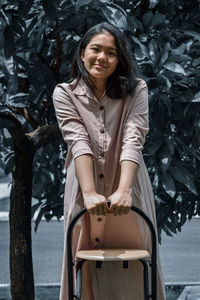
(99,66)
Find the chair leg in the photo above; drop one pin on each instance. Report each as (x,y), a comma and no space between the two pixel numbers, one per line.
(146,279)
(79,279)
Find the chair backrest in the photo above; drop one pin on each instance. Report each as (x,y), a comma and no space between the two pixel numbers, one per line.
(153,246)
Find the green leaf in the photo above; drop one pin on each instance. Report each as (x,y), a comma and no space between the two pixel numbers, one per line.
(174,67)
(180,50)
(143,48)
(196,62)
(179,58)
(80,3)
(9,165)
(168,185)
(19,95)
(4,16)
(183,218)
(165,53)
(150,20)
(31,27)
(1,40)
(23,63)
(170,143)
(34,208)
(172,226)
(18,100)
(133,23)
(183,176)
(115,16)
(153,3)
(191,210)
(146,19)
(39,218)
(158,19)
(196,98)
(193,34)
(24,7)
(154,145)
(16,27)
(166,101)
(166,230)
(11,153)
(165,160)
(198,208)
(168,83)
(49,8)
(4,69)
(9,42)
(153,50)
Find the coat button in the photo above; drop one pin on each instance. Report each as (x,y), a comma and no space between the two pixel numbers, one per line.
(101,107)
(101,176)
(97,240)
(99,219)
(102,130)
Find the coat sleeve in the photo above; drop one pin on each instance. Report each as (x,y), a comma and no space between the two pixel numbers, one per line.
(70,123)
(136,126)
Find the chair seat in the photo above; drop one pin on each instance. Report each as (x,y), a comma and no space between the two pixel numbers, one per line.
(115,254)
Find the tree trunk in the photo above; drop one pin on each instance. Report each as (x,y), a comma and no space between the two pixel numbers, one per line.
(24,145)
(21,267)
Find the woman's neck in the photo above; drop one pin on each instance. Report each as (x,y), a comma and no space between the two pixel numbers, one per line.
(100,87)
(99,93)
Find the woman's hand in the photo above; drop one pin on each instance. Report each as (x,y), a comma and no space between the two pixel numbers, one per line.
(120,202)
(95,203)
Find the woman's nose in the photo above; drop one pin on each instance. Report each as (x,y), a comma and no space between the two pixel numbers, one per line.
(101,56)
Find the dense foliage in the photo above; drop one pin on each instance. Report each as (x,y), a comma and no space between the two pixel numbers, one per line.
(37,43)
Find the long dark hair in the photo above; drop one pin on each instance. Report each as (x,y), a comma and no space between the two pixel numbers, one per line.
(123,80)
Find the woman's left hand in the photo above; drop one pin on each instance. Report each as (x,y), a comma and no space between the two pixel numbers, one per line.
(121,202)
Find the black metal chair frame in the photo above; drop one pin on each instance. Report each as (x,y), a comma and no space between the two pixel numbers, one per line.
(153,263)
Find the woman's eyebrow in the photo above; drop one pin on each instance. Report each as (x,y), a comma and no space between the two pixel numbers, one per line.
(99,45)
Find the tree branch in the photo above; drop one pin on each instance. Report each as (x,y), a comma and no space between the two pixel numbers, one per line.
(43,135)
(24,112)
(14,126)
(9,120)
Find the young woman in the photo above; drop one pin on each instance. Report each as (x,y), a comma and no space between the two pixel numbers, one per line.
(103,116)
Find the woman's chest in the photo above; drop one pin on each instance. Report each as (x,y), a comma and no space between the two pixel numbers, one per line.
(105,117)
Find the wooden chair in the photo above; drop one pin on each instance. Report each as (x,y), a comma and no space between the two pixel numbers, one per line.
(116,254)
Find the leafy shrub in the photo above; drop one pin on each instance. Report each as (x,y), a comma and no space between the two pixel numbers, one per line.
(38,40)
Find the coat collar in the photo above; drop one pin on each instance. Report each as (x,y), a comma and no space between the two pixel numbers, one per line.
(79,88)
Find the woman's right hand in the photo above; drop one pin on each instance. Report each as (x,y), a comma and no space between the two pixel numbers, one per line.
(95,203)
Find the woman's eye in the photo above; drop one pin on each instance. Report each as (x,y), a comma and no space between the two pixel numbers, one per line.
(112,53)
(94,49)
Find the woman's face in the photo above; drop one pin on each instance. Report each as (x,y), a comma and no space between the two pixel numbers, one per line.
(100,56)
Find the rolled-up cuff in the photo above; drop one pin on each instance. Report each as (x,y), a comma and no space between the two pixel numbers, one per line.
(80,148)
(132,155)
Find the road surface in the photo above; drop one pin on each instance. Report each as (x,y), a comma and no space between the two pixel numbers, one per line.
(180,255)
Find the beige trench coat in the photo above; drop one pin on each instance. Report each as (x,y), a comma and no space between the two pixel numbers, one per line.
(111,130)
